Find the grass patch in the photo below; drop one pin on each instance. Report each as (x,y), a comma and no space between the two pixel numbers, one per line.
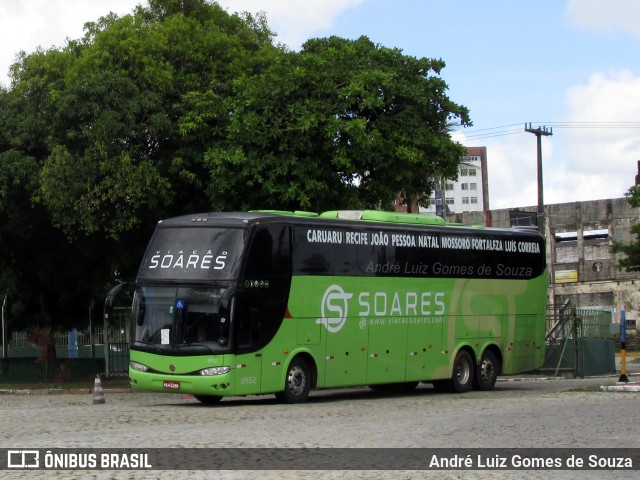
(591,388)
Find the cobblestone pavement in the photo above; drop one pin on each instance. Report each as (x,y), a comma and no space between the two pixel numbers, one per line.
(558,413)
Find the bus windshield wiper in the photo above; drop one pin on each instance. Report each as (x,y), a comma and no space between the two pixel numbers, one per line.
(150,344)
(195,344)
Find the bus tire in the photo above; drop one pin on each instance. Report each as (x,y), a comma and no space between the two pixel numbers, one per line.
(442,386)
(487,371)
(208,399)
(463,372)
(297,384)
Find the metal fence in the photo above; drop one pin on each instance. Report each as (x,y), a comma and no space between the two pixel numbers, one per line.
(61,339)
(568,322)
(111,343)
(595,323)
(577,340)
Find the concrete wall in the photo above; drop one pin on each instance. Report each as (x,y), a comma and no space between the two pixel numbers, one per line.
(600,282)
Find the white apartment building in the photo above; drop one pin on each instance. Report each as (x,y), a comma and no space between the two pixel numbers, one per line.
(470,193)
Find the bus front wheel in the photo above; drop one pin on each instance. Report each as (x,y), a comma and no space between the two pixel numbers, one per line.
(297,383)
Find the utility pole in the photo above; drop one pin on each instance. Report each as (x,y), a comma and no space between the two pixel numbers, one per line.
(539,132)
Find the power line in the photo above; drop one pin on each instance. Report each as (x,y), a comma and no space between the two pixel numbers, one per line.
(593,124)
(500,127)
(516,128)
(488,134)
(496,134)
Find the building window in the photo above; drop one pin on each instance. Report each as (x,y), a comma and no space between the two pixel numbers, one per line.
(448,186)
(474,199)
(464,172)
(464,186)
(472,172)
(450,200)
(465,200)
(473,186)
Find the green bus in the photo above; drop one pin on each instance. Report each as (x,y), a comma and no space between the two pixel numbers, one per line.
(271,302)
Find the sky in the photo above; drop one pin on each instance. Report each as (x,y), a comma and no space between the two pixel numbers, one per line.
(569,65)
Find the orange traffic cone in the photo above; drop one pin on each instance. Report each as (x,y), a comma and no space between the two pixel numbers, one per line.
(98,394)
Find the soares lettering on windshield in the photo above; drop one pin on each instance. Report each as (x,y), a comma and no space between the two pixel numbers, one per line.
(186,261)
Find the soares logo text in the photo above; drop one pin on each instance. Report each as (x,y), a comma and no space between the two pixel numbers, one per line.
(180,260)
(334,309)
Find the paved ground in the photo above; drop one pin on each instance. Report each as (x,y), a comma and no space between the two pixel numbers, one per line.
(526,412)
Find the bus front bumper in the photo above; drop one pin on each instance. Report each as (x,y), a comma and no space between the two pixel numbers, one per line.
(217,385)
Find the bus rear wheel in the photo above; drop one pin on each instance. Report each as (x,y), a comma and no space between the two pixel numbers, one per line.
(208,399)
(297,383)
(487,371)
(463,373)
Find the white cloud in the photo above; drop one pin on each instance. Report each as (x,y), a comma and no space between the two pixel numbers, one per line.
(580,163)
(294,21)
(610,16)
(512,170)
(607,156)
(26,25)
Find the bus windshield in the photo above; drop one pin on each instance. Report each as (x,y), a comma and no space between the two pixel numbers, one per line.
(189,320)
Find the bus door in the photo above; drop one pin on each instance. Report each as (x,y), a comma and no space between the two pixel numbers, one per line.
(424,347)
(526,354)
(386,362)
(260,307)
(346,355)
(249,324)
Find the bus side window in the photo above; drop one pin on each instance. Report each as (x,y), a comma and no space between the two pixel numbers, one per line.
(269,255)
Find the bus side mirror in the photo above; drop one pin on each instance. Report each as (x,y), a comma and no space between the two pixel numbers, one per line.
(111,296)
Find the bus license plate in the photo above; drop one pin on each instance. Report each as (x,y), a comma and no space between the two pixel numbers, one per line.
(171,385)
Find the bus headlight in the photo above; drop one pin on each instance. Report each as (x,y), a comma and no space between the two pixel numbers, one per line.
(215,370)
(138,367)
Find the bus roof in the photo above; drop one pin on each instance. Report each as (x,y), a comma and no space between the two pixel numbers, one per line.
(334,217)
(255,215)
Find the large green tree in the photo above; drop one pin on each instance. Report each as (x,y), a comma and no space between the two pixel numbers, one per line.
(104,136)
(631,251)
(141,97)
(341,124)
